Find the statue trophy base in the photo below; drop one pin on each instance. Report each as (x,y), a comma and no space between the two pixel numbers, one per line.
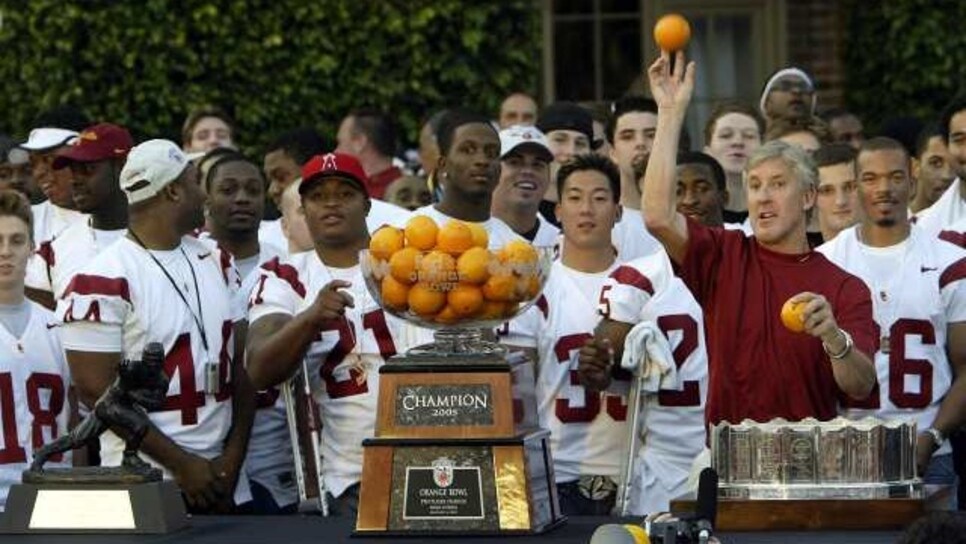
(93,500)
(458,450)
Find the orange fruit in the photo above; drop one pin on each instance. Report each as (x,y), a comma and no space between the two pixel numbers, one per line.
(492,309)
(510,309)
(501,288)
(438,269)
(454,238)
(793,316)
(385,242)
(520,256)
(421,232)
(480,236)
(465,300)
(531,287)
(378,267)
(395,294)
(426,301)
(473,265)
(402,265)
(672,32)
(447,316)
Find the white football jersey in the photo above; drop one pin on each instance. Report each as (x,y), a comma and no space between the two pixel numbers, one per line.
(547,234)
(122,300)
(917,291)
(56,261)
(270,232)
(344,359)
(672,421)
(500,233)
(51,220)
(34,382)
(945,212)
(631,237)
(587,429)
(383,213)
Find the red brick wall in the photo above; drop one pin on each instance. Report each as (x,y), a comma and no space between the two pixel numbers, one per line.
(815,33)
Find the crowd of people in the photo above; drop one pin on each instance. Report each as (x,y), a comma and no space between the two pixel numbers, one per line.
(247,271)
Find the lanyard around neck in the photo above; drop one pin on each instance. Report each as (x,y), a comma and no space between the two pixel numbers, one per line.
(198,319)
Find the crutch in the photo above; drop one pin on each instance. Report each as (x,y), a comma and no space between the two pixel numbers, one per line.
(632,442)
(305,433)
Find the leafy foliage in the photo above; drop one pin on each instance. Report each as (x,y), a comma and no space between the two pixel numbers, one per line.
(904,57)
(275,64)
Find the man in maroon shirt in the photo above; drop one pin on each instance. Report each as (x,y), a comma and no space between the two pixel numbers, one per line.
(370,136)
(758,368)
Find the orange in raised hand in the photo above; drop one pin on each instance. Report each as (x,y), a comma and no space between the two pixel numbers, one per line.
(672,32)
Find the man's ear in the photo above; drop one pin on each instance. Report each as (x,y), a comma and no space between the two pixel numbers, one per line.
(172,192)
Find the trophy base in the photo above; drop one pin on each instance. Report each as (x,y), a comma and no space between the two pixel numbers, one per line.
(818,514)
(423,487)
(73,508)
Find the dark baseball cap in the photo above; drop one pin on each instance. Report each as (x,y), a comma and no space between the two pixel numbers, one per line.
(100,142)
(566,116)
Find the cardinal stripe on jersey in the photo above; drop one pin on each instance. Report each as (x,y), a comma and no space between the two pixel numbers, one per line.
(287,273)
(953,272)
(953,237)
(84,284)
(46,252)
(626,275)
(543,306)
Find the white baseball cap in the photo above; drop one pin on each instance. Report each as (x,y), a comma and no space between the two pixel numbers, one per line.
(519,135)
(42,139)
(150,167)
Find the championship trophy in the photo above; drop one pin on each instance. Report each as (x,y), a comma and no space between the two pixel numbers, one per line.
(131,498)
(811,474)
(457,447)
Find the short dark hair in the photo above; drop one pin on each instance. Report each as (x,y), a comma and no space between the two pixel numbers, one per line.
(595,162)
(834,113)
(627,104)
(935,528)
(66,117)
(217,160)
(378,128)
(301,144)
(955,106)
(930,131)
(832,154)
(724,108)
(14,203)
(199,113)
(454,119)
(697,157)
(881,143)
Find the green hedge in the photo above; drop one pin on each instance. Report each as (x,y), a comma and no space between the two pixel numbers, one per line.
(275,64)
(904,57)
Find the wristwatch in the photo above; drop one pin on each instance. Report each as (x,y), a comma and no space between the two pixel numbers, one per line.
(937,436)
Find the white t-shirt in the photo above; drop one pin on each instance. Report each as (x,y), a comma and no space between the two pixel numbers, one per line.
(917,291)
(34,381)
(587,429)
(499,232)
(631,237)
(344,361)
(121,300)
(56,261)
(945,212)
(672,428)
(51,220)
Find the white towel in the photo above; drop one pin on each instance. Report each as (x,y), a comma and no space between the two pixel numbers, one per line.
(647,353)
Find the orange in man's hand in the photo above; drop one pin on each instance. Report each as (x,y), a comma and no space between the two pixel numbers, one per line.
(672,32)
(793,316)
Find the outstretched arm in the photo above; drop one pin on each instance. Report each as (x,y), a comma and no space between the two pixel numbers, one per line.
(672,92)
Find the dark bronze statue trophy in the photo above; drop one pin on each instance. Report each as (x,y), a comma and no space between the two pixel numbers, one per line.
(140,386)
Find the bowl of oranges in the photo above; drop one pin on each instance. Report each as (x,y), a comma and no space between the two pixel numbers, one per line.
(446,276)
